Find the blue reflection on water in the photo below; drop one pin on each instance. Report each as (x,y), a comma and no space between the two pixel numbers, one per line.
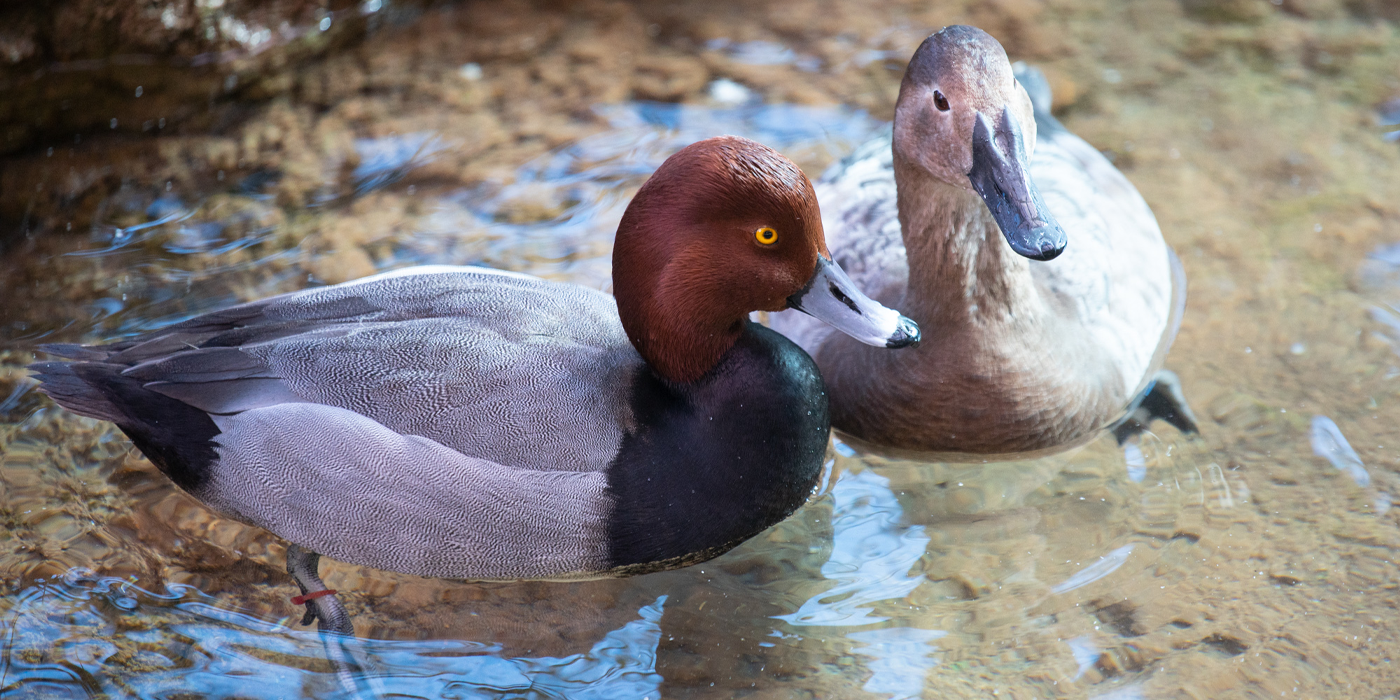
(88,637)
(643,135)
(385,160)
(1328,442)
(872,554)
(1137,464)
(902,656)
(1086,653)
(1106,565)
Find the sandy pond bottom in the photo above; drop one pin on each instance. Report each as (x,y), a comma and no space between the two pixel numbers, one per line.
(1256,560)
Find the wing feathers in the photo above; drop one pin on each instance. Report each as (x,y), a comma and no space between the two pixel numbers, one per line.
(528,373)
(200,365)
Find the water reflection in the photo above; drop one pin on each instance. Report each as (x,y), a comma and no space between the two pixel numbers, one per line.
(901,657)
(1137,466)
(83,636)
(1329,443)
(1085,652)
(871,555)
(384,161)
(557,214)
(1106,565)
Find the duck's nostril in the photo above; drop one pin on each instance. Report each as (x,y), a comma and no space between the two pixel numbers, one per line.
(841,297)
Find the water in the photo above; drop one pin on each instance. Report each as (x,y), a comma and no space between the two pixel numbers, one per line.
(1254,561)
(71,631)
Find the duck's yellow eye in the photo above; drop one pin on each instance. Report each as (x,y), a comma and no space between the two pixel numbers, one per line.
(766,236)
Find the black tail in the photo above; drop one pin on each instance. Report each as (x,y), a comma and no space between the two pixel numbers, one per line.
(61,382)
(177,437)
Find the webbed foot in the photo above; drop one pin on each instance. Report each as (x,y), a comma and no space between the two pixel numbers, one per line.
(1163,400)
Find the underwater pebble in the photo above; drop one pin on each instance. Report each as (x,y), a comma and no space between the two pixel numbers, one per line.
(728,92)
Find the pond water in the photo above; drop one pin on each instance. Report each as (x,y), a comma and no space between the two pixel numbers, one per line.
(1256,560)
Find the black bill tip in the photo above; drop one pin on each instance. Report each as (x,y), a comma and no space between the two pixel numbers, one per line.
(905,335)
(1039,243)
(1001,175)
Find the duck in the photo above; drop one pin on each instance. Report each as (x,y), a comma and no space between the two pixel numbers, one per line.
(479,424)
(1038,270)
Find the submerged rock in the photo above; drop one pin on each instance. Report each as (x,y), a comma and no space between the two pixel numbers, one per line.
(74,66)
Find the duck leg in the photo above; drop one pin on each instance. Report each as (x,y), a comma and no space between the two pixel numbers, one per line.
(321,604)
(1163,400)
(336,630)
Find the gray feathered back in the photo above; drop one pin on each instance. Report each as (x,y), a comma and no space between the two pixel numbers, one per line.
(510,368)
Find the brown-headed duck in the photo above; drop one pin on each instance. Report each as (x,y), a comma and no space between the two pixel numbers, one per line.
(469,423)
(1036,339)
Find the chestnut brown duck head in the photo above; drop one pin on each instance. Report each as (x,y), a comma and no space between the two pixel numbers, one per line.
(725,227)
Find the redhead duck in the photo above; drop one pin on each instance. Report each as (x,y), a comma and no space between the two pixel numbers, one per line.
(1053,295)
(468,423)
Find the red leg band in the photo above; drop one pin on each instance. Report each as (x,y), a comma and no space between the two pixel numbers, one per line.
(301,599)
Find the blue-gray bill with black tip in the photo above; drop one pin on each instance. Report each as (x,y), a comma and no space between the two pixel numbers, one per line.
(1001,175)
(832,297)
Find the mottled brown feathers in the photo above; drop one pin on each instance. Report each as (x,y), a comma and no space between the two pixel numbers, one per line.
(687,269)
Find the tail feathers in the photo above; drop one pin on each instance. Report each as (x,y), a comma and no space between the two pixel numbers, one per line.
(74,351)
(1038,88)
(67,389)
(178,437)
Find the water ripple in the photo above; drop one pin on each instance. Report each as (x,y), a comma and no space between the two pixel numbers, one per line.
(1329,443)
(871,556)
(85,636)
(1106,565)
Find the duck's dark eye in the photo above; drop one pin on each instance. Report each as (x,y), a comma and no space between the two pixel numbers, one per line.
(940,101)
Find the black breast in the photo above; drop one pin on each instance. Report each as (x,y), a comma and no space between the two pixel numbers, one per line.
(714,463)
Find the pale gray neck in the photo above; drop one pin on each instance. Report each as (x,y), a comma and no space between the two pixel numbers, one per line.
(961,271)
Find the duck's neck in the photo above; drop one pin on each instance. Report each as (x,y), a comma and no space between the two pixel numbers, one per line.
(680,326)
(961,271)
(715,462)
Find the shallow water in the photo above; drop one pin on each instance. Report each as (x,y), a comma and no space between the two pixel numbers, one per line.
(1257,560)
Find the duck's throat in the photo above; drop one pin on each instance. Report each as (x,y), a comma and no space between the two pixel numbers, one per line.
(682,350)
(682,336)
(961,270)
